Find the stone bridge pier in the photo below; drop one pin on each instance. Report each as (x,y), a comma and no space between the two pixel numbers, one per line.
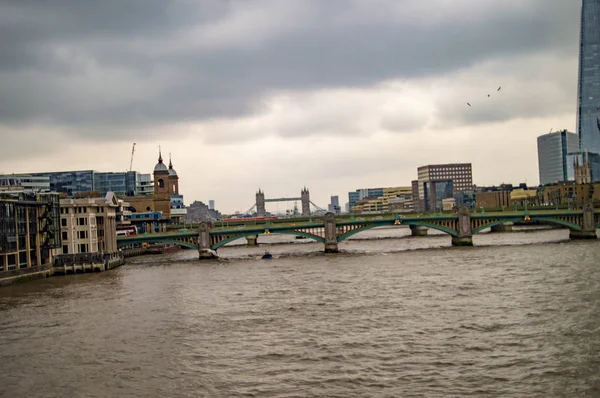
(465,233)
(331,243)
(588,228)
(418,230)
(252,240)
(204,250)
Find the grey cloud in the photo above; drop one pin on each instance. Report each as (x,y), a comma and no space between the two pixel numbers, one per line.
(123,65)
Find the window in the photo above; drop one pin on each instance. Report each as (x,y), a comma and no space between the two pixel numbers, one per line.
(161,184)
(64,235)
(65,249)
(82,234)
(63,222)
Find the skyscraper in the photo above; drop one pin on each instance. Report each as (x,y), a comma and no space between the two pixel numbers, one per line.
(588,85)
(553,151)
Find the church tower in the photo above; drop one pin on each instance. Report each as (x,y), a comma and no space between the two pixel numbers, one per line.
(162,188)
(173,179)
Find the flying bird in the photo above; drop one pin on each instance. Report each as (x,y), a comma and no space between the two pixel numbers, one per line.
(468,104)
(489,95)
(499,88)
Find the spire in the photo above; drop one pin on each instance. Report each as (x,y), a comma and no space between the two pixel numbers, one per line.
(170,163)
(160,159)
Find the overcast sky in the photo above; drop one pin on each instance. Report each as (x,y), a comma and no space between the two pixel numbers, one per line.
(333,95)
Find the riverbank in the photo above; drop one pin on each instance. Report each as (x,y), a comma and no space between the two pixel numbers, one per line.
(70,264)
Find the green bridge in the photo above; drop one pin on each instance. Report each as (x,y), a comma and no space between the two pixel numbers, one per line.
(461,226)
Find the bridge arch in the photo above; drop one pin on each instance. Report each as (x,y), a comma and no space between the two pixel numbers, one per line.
(271,232)
(545,220)
(158,239)
(180,243)
(420,224)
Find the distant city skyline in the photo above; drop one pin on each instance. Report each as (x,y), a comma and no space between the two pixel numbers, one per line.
(281,95)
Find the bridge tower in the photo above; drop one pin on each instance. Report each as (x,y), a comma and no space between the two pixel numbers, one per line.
(305,197)
(260,203)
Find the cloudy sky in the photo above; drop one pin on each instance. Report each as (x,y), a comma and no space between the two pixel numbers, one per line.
(334,95)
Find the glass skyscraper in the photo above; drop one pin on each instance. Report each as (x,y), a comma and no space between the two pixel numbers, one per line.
(553,149)
(588,90)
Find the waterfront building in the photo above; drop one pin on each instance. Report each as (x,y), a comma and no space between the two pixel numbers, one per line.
(571,193)
(506,196)
(211,204)
(360,194)
(393,199)
(553,150)
(441,181)
(588,84)
(89,225)
(24,182)
(29,231)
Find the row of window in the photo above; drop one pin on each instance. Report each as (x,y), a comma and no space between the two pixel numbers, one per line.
(78,210)
(82,248)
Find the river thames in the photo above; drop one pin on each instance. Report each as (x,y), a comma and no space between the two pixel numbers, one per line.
(518,315)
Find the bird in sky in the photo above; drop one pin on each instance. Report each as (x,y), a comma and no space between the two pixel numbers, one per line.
(499,88)
(468,104)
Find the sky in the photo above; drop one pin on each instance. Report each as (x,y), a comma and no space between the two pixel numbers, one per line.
(333,95)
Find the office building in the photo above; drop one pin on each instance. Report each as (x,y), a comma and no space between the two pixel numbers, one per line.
(69,182)
(553,149)
(441,181)
(360,194)
(334,205)
(29,231)
(89,225)
(24,182)
(121,183)
(211,204)
(588,85)
(391,200)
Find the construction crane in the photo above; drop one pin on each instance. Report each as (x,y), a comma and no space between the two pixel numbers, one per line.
(131,162)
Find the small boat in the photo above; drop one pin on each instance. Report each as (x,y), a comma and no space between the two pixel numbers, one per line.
(267,255)
(163,248)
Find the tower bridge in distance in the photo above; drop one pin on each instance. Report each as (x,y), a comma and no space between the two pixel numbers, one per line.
(329,230)
(304,198)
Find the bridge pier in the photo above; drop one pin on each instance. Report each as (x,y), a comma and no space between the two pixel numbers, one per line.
(331,243)
(588,230)
(204,250)
(252,240)
(418,230)
(465,233)
(579,235)
(505,227)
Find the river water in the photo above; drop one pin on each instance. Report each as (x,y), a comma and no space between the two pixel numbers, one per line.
(392,316)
